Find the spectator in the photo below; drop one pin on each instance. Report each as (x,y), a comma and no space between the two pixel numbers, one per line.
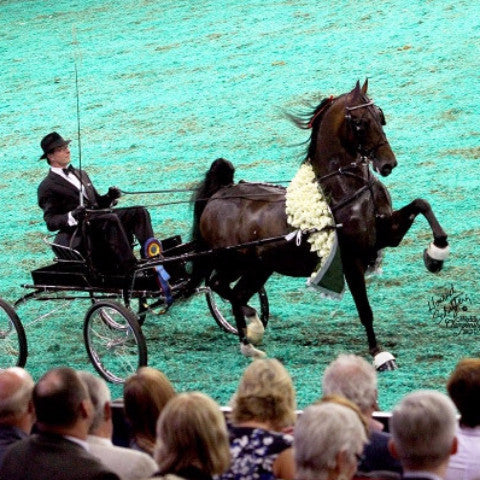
(192,439)
(128,464)
(464,389)
(59,450)
(16,408)
(329,440)
(263,407)
(356,380)
(145,393)
(423,434)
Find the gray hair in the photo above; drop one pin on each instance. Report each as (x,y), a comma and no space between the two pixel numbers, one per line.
(323,431)
(17,392)
(99,394)
(353,378)
(423,428)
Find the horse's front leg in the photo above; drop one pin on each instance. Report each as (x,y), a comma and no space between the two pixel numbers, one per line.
(355,276)
(392,230)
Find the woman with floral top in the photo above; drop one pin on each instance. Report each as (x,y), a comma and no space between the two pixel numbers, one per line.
(263,410)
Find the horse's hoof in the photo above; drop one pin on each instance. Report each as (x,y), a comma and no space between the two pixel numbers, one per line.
(255,330)
(248,350)
(434,257)
(384,361)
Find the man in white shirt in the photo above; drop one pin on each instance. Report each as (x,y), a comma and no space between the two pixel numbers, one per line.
(423,434)
(65,194)
(128,464)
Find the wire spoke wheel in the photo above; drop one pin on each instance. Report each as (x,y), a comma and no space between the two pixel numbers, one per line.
(13,342)
(114,341)
(221,309)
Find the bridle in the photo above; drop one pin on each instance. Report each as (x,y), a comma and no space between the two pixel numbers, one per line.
(365,157)
(357,129)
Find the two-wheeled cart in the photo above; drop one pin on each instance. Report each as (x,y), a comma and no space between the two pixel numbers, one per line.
(118,305)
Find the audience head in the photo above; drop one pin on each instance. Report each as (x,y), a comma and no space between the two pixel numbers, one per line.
(191,431)
(265,394)
(340,400)
(423,428)
(61,401)
(329,438)
(145,393)
(353,378)
(16,407)
(464,389)
(100,397)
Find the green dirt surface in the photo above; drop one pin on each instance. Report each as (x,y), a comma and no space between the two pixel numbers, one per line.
(166,87)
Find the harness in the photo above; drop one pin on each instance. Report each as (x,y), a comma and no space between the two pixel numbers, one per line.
(365,157)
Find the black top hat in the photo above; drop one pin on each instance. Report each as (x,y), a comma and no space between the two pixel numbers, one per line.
(50,142)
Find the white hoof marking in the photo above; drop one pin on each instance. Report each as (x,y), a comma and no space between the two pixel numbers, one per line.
(250,351)
(255,330)
(438,253)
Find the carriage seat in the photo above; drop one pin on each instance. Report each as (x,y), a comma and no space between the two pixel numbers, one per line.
(64,253)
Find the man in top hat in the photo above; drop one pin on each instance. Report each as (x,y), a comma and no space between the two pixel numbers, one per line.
(66,196)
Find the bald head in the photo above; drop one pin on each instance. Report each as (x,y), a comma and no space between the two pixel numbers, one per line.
(16,387)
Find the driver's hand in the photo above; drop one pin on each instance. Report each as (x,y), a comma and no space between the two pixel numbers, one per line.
(114,193)
(79,213)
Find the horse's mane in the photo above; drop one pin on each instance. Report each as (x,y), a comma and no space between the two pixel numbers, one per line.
(311,120)
(219,175)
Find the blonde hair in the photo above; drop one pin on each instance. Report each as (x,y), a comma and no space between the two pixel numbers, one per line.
(266,394)
(145,394)
(192,431)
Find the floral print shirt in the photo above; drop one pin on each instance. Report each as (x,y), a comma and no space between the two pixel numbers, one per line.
(254,450)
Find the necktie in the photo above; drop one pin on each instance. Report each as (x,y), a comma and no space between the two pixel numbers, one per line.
(68,170)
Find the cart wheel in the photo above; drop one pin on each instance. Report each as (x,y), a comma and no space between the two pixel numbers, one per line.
(221,309)
(13,342)
(114,341)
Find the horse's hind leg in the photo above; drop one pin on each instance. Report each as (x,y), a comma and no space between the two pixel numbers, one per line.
(246,287)
(393,229)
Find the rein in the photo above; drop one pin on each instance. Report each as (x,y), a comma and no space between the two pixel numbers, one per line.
(347,171)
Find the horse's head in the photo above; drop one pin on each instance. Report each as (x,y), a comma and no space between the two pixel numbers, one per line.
(363,130)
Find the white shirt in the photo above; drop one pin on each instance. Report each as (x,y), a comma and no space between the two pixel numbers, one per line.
(421,474)
(465,464)
(74,180)
(77,440)
(127,463)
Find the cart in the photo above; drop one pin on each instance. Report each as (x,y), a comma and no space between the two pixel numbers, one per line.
(118,305)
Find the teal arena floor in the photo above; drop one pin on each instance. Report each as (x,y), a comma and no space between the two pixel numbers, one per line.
(166,87)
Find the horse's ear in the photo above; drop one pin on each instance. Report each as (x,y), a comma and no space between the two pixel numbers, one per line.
(357,87)
(365,87)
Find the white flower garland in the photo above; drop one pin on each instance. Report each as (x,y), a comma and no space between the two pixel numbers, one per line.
(307,208)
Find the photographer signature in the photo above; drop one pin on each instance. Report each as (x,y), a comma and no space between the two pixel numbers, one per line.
(454,309)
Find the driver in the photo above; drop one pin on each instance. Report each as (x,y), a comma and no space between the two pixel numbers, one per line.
(110,233)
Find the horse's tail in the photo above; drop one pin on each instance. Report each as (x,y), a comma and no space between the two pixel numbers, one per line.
(219,175)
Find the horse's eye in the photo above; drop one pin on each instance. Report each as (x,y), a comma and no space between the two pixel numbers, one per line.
(359,124)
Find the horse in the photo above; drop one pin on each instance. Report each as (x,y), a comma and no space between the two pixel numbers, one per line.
(347,141)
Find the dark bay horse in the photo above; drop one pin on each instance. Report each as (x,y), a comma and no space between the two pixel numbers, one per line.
(347,139)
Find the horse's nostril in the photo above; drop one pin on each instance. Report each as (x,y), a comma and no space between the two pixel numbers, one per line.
(386,170)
